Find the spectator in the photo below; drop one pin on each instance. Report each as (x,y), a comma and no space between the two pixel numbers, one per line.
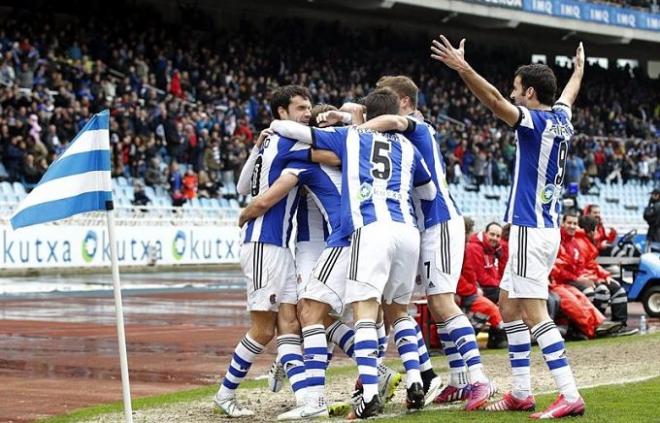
(190,185)
(602,239)
(606,291)
(482,261)
(479,309)
(652,217)
(139,196)
(574,283)
(153,175)
(213,160)
(574,168)
(175,178)
(31,173)
(206,187)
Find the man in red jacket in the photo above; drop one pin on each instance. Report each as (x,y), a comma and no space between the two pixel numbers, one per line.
(602,239)
(576,265)
(481,272)
(482,260)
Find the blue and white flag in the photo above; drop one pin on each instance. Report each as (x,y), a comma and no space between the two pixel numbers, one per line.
(78,181)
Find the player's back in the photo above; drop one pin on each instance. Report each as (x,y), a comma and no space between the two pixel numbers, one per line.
(443,207)
(542,147)
(311,226)
(323,184)
(379,171)
(275,226)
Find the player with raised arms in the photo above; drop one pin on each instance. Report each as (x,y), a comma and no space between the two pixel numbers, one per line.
(543,130)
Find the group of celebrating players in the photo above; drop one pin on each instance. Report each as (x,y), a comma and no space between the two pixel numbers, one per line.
(366,187)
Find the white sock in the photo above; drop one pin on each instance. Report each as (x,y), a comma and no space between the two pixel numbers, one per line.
(366,351)
(244,354)
(520,350)
(462,333)
(405,338)
(316,360)
(383,340)
(289,355)
(554,353)
(458,376)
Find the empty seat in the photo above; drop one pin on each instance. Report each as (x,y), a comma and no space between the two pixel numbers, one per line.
(6,187)
(150,193)
(18,188)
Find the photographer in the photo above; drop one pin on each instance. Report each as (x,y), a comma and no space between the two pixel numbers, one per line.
(652,217)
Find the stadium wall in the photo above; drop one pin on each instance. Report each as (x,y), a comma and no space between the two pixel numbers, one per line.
(69,247)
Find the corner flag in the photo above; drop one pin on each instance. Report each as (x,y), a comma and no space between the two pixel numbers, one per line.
(78,181)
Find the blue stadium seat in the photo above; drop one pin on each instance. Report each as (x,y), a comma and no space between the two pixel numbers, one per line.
(160,192)
(224,203)
(121,181)
(18,188)
(129,192)
(150,193)
(234,204)
(6,187)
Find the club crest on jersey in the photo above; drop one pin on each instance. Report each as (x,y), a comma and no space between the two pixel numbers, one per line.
(549,193)
(366,191)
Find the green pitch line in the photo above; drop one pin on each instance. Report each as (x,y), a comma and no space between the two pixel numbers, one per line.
(633,402)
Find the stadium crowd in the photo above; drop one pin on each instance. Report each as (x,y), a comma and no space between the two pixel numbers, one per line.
(186,104)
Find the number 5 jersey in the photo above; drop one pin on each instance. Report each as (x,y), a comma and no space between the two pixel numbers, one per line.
(379,173)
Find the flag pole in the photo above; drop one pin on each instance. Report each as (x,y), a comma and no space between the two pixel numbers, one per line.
(119,312)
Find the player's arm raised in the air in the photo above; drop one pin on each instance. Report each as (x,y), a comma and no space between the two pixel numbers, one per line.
(264,201)
(386,123)
(572,87)
(443,51)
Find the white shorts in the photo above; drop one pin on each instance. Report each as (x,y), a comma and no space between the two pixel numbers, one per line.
(270,274)
(327,283)
(307,254)
(532,253)
(383,263)
(441,257)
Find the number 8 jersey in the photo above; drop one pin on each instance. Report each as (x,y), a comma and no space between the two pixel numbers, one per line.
(542,137)
(379,172)
(274,227)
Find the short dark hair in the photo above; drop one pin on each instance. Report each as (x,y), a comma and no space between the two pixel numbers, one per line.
(282,97)
(541,78)
(588,223)
(381,101)
(569,213)
(317,110)
(491,224)
(401,85)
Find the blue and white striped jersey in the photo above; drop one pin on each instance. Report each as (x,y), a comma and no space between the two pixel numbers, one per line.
(323,185)
(379,172)
(275,226)
(543,140)
(311,226)
(443,207)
